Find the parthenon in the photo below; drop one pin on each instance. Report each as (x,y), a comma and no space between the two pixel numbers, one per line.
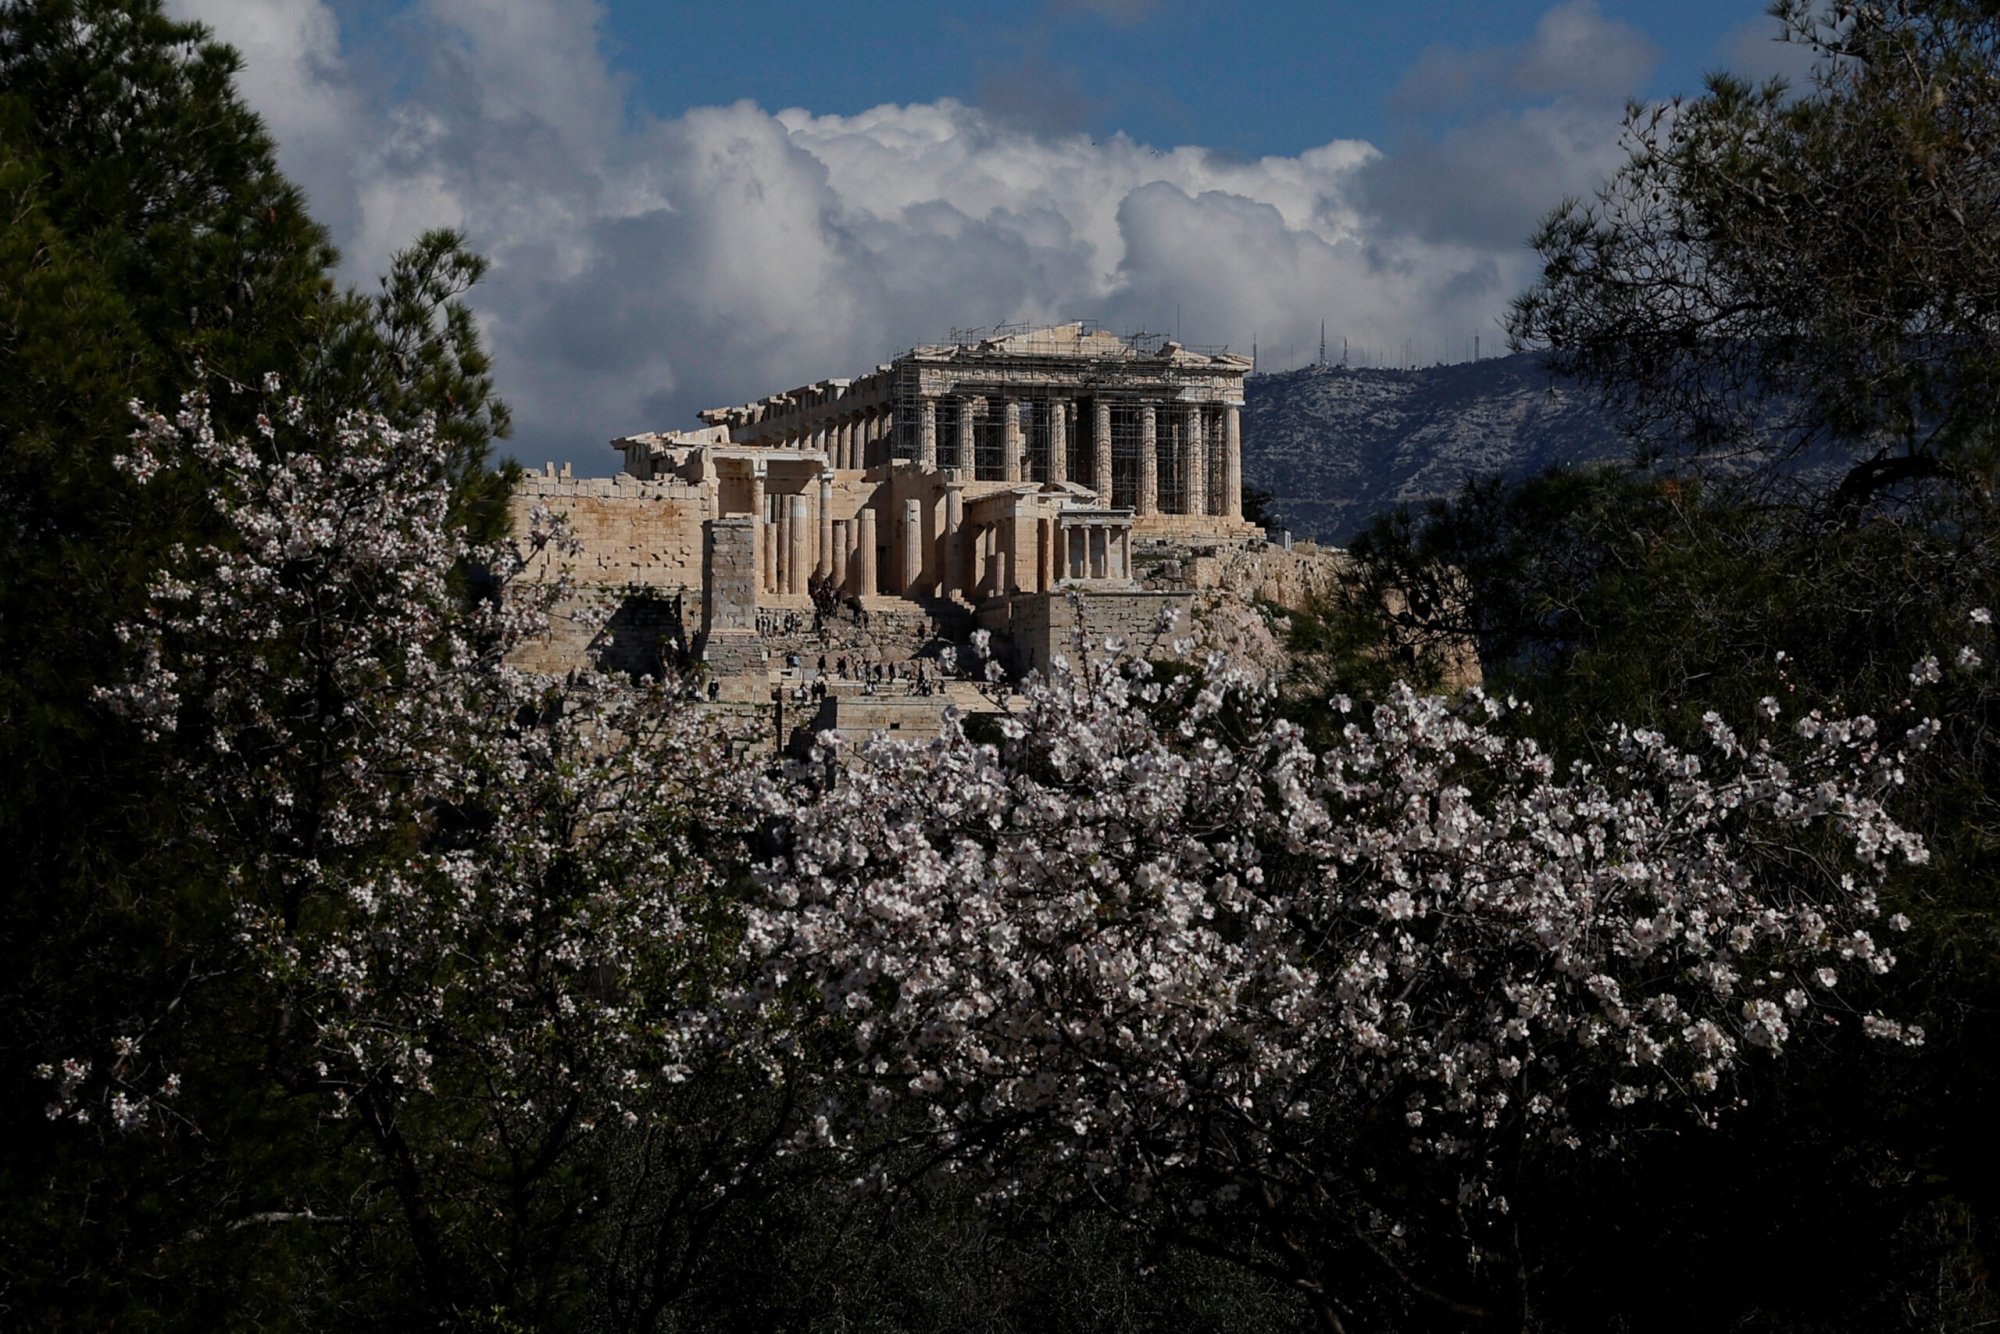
(967,477)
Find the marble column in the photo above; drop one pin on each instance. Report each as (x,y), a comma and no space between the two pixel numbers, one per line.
(1100,444)
(1232,460)
(1011,434)
(800,527)
(864,541)
(824,565)
(1195,445)
(1149,461)
(781,544)
(843,539)
(757,518)
(912,572)
(1058,441)
(968,408)
(927,455)
(954,563)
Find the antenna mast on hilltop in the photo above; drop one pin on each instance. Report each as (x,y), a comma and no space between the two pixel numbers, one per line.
(1322,342)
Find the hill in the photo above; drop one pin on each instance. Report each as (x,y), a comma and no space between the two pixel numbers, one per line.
(1338,446)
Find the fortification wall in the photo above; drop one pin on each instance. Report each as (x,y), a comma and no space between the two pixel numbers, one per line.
(638,576)
(635,534)
(1038,628)
(1293,578)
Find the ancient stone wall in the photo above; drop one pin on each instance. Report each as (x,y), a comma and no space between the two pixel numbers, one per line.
(1033,629)
(634,533)
(638,577)
(1292,578)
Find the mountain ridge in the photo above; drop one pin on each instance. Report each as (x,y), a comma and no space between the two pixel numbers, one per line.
(1338,445)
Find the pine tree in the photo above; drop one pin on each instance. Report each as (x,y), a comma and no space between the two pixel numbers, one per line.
(152,248)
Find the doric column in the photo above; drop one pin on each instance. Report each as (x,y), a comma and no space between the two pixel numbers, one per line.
(1010,439)
(837,571)
(1195,444)
(968,408)
(1149,461)
(927,457)
(913,548)
(762,571)
(1058,441)
(954,563)
(824,565)
(781,542)
(1232,460)
(864,541)
(800,526)
(770,547)
(1100,446)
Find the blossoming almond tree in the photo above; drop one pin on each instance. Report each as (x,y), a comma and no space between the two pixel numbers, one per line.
(482,910)
(1155,951)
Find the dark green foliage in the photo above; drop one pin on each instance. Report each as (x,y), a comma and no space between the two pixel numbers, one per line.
(1781,270)
(412,349)
(152,246)
(1612,597)
(1807,276)
(1260,508)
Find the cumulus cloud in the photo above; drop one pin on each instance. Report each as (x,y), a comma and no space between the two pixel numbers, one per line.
(644,268)
(1760,50)
(1491,138)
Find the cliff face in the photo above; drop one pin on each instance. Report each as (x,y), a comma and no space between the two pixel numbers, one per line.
(1339,446)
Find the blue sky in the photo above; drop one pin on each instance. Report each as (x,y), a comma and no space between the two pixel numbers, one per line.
(693,205)
(1274,76)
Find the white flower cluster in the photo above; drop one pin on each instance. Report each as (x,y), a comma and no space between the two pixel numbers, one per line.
(1134,956)
(446,870)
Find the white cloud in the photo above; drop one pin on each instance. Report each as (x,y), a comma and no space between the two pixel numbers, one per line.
(646,268)
(1760,50)
(1578,52)
(1494,137)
